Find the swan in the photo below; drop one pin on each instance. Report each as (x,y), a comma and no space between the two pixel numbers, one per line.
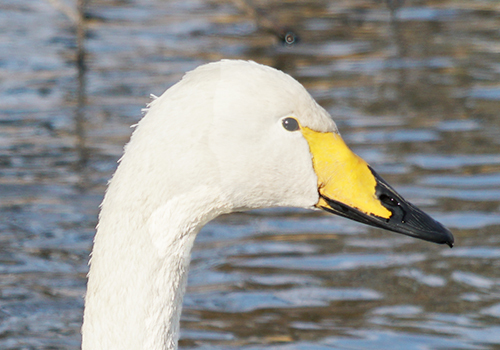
(231,135)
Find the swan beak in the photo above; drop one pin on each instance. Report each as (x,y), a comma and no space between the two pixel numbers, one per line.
(349,187)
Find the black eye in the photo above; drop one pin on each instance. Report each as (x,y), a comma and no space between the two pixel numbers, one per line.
(291,124)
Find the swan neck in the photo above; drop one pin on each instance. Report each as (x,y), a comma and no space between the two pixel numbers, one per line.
(138,272)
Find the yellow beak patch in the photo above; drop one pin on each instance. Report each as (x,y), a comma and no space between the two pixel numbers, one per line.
(342,175)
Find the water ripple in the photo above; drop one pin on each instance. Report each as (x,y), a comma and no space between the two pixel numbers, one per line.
(332,262)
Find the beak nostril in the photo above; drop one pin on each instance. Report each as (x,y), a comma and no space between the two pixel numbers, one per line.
(394,205)
(387,200)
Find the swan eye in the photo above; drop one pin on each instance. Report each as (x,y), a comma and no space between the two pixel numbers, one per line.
(291,124)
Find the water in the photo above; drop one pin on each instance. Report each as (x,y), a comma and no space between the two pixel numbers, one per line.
(415,91)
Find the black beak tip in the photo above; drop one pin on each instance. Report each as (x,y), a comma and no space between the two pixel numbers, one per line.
(440,236)
(408,219)
(423,226)
(420,225)
(450,240)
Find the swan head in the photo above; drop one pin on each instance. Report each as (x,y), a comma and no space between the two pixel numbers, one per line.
(255,138)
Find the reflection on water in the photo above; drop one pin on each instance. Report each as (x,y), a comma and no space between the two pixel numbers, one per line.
(414,88)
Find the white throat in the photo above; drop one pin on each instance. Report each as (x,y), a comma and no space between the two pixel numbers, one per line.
(135,291)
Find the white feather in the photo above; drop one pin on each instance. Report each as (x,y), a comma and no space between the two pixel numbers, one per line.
(211,144)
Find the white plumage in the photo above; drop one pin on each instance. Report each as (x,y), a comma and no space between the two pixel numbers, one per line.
(213,143)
